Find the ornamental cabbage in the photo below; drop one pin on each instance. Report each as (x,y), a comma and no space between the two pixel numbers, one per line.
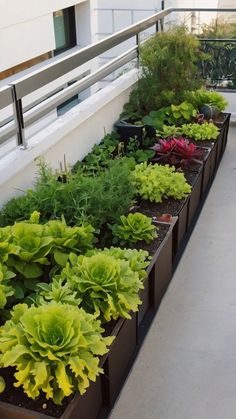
(106,285)
(54,349)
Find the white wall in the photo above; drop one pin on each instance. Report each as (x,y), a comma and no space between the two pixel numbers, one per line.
(73,134)
(26,29)
(16,11)
(26,40)
(33,37)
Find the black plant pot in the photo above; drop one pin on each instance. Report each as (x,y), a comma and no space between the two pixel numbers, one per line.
(128,130)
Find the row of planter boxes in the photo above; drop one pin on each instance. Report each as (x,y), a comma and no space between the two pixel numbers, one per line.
(101,395)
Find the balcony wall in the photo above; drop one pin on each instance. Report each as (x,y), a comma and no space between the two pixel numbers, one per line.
(72,135)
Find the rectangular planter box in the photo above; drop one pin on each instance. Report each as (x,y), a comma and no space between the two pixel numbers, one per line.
(206,175)
(219,148)
(213,159)
(120,354)
(195,198)
(222,122)
(180,228)
(81,407)
(163,259)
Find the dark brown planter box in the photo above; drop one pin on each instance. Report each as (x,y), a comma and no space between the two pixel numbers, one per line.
(206,175)
(180,227)
(195,198)
(163,260)
(219,148)
(222,122)
(82,407)
(120,355)
(213,158)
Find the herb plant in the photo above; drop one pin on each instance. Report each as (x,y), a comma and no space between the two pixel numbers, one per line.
(133,228)
(81,199)
(54,348)
(155,182)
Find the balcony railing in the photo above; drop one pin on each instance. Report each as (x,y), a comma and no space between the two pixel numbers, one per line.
(219,69)
(14,93)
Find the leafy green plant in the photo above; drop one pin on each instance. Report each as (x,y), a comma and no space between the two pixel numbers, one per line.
(138,259)
(58,291)
(169,131)
(199,132)
(97,160)
(173,114)
(201,97)
(34,248)
(66,239)
(205,131)
(155,182)
(134,151)
(54,349)
(6,289)
(107,286)
(133,228)
(31,250)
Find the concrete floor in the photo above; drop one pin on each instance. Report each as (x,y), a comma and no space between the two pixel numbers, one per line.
(186,368)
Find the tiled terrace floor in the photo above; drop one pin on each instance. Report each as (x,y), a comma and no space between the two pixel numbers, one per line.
(186,368)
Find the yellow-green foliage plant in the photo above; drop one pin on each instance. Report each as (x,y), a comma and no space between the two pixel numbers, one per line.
(155,182)
(54,348)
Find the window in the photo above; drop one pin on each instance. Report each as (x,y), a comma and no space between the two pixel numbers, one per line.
(64,27)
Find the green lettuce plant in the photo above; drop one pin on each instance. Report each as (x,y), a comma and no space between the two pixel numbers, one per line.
(106,285)
(168,131)
(33,246)
(32,250)
(54,349)
(66,239)
(200,132)
(133,228)
(155,182)
(58,291)
(138,259)
(6,288)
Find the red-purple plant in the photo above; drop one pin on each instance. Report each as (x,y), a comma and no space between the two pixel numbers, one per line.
(187,150)
(177,151)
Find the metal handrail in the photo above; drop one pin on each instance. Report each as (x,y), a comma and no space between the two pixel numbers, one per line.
(49,104)
(15,91)
(52,71)
(5,96)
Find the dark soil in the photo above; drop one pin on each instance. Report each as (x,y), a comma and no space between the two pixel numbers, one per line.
(17,397)
(168,206)
(153,246)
